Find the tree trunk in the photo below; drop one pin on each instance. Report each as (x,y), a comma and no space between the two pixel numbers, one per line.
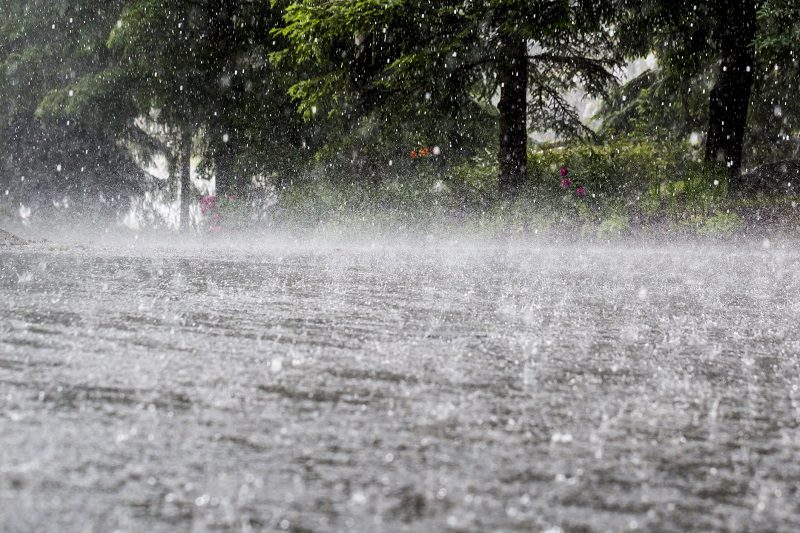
(513,107)
(173,168)
(226,184)
(186,177)
(221,28)
(730,97)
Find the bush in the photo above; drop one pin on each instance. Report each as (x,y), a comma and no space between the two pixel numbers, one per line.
(615,225)
(645,179)
(612,190)
(721,225)
(475,181)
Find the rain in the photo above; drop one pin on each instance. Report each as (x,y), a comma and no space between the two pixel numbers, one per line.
(377,265)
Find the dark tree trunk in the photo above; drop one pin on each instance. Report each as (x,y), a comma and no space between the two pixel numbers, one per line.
(221,29)
(226,183)
(513,107)
(186,177)
(174,169)
(730,97)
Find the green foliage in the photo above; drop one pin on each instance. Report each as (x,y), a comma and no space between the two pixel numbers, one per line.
(475,180)
(204,66)
(615,225)
(780,21)
(646,107)
(45,155)
(671,103)
(634,173)
(325,100)
(721,225)
(429,71)
(774,122)
(631,186)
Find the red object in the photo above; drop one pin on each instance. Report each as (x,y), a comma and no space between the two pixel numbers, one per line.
(566,183)
(564,171)
(581,192)
(208,203)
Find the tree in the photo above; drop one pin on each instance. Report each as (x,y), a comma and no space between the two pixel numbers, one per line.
(729,100)
(44,47)
(725,69)
(774,131)
(197,73)
(204,66)
(378,58)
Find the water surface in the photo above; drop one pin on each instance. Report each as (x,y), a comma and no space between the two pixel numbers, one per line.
(439,386)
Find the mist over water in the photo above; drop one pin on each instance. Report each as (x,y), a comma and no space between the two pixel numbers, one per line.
(417,383)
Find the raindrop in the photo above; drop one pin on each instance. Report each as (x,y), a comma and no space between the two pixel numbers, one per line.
(561,438)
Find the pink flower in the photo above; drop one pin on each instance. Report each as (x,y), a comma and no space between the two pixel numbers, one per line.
(566,183)
(580,191)
(564,171)
(208,203)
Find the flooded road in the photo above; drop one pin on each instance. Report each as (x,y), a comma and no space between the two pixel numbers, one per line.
(443,386)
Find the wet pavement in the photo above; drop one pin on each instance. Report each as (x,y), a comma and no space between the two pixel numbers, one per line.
(371,387)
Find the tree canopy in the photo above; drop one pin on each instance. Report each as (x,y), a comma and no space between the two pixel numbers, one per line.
(693,45)
(445,65)
(90,90)
(44,48)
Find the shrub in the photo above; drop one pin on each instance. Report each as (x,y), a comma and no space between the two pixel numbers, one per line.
(721,224)
(646,179)
(605,190)
(614,226)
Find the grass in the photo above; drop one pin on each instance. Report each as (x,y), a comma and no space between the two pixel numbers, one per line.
(633,189)
(431,204)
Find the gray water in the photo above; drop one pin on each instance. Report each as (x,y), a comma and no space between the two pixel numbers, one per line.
(368,387)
